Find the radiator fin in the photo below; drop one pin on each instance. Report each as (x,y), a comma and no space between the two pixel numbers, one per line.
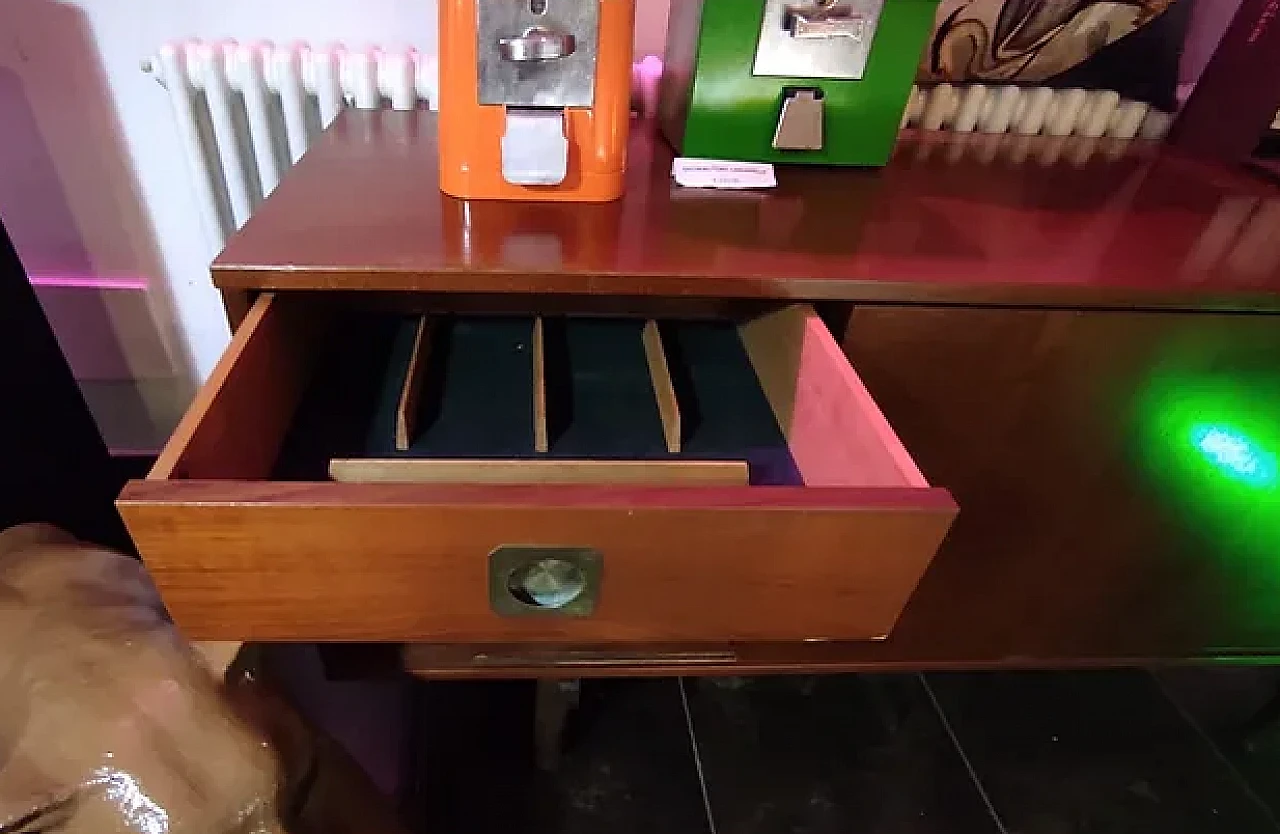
(246,112)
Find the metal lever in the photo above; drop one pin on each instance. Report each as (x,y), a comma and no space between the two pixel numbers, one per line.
(800,123)
(537,44)
(822,23)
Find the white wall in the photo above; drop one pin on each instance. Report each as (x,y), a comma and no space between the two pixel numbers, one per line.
(108,197)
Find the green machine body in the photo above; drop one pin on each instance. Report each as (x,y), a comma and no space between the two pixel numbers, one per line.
(791,81)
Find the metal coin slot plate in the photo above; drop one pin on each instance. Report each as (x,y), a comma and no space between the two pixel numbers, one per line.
(816,39)
(800,122)
(539,581)
(537,44)
(565,81)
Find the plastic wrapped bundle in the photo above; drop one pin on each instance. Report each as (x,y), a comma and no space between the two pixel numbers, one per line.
(109,724)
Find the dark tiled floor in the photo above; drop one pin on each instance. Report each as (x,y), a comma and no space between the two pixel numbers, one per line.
(830,755)
(626,764)
(1239,709)
(1255,753)
(1092,752)
(1038,753)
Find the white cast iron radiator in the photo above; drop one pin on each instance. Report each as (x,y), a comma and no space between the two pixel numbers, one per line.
(247,112)
(1029,111)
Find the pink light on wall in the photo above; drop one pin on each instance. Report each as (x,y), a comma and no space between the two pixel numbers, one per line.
(87,282)
(69,200)
(645,75)
(1208,23)
(651,27)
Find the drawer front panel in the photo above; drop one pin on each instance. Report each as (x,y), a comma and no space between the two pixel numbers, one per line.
(412,563)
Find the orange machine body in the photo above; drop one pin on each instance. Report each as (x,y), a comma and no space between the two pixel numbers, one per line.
(490,233)
(471,133)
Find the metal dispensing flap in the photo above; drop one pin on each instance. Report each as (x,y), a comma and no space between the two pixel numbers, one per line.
(817,38)
(537,53)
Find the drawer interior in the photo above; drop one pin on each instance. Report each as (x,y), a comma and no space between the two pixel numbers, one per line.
(384,396)
(478,396)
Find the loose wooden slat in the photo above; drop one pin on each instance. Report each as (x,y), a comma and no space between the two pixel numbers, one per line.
(660,374)
(532,471)
(834,429)
(411,393)
(541,436)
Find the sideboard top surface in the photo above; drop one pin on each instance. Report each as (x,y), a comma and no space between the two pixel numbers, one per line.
(967,219)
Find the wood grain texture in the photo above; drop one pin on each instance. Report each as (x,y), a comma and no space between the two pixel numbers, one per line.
(835,431)
(409,563)
(663,390)
(541,433)
(411,393)
(363,211)
(1069,552)
(1072,550)
(535,471)
(253,560)
(240,416)
(1075,545)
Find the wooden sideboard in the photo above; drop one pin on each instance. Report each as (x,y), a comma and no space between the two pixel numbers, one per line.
(1050,326)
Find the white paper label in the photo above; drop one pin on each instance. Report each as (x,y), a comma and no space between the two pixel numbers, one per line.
(722,173)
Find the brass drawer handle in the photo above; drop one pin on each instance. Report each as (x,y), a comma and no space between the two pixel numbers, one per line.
(533,581)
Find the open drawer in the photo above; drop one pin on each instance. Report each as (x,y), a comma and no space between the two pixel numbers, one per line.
(628,491)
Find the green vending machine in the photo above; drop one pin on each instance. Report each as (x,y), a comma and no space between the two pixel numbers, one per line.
(809,81)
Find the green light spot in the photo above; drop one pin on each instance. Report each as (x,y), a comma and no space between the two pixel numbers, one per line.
(1207,434)
(1235,454)
(1209,443)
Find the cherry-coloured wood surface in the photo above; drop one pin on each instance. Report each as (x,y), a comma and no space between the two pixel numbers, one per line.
(1090,534)
(1039,221)
(1093,525)
(1080,541)
(239,556)
(1070,549)
(398,562)
(234,425)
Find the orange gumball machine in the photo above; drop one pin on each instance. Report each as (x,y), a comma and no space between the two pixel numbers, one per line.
(534,98)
